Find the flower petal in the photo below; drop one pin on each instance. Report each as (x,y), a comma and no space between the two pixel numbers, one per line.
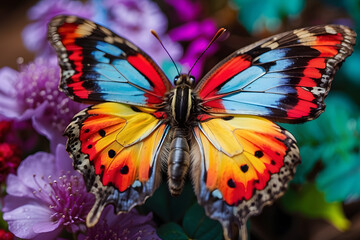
(16,187)
(9,107)
(40,163)
(22,220)
(12,202)
(63,161)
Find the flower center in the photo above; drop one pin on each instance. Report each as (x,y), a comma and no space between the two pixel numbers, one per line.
(66,196)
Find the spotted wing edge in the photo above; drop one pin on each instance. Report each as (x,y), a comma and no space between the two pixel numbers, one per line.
(106,195)
(237,216)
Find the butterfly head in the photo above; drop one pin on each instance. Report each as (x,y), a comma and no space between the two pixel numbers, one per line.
(184,79)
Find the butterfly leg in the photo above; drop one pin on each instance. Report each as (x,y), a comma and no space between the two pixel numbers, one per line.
(179,160)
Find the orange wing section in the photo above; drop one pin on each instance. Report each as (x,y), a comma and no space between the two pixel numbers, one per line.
(117,149)
(241,154)
(245,162)
(121,142)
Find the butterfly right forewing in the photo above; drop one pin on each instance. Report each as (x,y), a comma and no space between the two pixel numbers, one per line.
(285,77)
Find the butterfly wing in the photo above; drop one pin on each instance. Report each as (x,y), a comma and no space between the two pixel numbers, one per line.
(241,164)
(98,65)
(285,77)
(116,147)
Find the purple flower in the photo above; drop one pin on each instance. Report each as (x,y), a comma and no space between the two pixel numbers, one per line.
(35,34)
(133,19)
(198,34)
(131,226)
(37,98)
(186,10)
(196,30)
(46,196)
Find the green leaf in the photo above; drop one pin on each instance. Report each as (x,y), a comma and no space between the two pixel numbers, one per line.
(3,223)
(310,202)
(170,208)
(307,164)
(171,231)
(258,15)
(340,180)
(199,226)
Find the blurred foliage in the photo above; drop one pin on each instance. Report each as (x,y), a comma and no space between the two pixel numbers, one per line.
(340,179)
(257,15)
(310,202)
(169,208)
(181,217)
(351,69)
(196,225)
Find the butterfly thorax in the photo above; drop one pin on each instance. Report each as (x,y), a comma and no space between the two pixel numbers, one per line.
(181,100)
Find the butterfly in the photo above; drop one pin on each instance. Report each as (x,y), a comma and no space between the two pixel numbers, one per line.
(220,129)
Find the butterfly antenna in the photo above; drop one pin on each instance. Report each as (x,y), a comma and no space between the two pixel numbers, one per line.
(158,38)
(216,36)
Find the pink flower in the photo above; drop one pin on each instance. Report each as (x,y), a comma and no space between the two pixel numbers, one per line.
(4,235)
(10,158)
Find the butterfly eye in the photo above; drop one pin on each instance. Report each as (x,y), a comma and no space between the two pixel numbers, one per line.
(176,79)
(191,80)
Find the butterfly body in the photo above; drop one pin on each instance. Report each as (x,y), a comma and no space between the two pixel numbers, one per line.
(219,129)
(183,108)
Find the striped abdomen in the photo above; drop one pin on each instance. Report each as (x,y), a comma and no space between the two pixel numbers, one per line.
(179,160)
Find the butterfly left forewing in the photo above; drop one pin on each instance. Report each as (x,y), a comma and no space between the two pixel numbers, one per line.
(284,77)
(117,149)
(242,164)
(98,65)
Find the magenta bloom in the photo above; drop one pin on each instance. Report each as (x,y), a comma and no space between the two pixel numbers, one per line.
(46,196)
(131,226)
(35,34)
(198,34)
(33,94)
(186,10)
(6,235)
(4,129)
(10,158)
(196,31)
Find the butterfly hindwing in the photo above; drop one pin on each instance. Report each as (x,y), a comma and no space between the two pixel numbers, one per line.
(285,77)
(242,164)
(98,65)
(116,147)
